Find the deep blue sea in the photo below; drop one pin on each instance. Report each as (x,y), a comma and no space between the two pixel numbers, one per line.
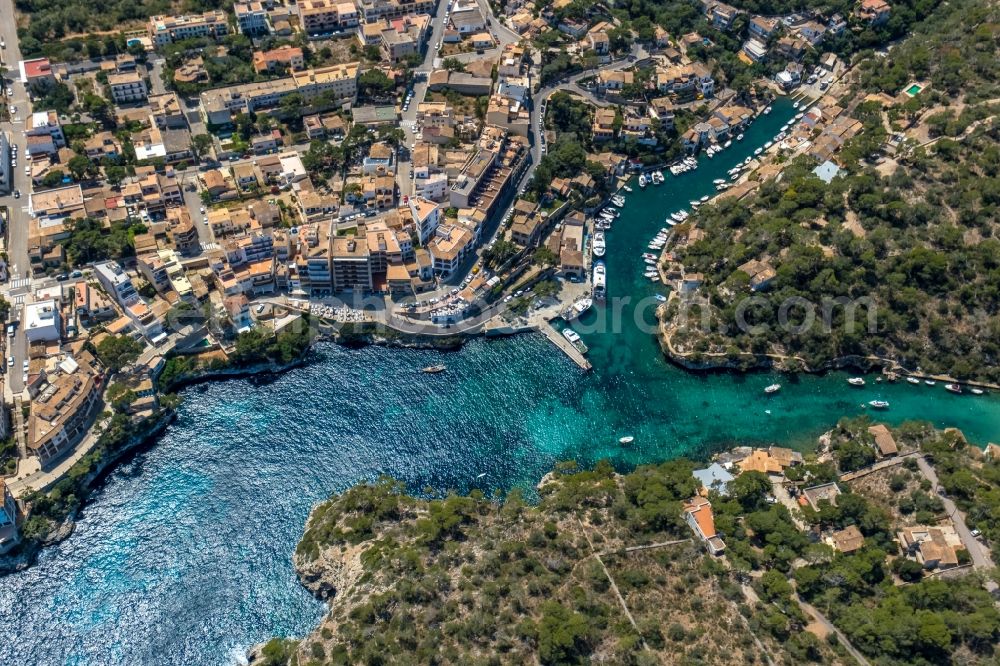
(184,556)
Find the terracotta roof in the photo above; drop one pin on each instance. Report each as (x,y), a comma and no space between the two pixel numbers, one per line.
(884,440)
(848,539)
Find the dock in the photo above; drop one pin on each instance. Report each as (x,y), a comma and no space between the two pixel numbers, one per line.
(565,345)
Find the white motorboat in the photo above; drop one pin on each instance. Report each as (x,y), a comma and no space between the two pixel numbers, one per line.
(795,105)
(856,381)
(650,273)
(735,176)
(719,181)
(626,188)
(747,160)
(913,380)
(600,281)
(739,137)
(628,439)
(571,335)
(767,110)
(642,181)
(768,145)
(953,388)
(599,244)
(784,128)
(676,217)
(661,298)
(694,204)
(878,404)
(773,388)
(704,199)
(582,306)
(930,382)
(649,255)
(727,143)
(758,151)
(618,200)
(976,391)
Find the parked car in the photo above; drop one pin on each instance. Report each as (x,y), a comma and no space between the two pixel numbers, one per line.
(76,274)
(975,533)
(10,361)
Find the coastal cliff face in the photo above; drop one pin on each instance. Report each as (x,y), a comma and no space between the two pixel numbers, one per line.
(464,579)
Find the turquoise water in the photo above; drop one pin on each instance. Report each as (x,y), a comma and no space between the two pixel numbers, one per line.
(183,557)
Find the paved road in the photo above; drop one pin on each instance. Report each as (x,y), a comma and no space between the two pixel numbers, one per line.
(17,237)
(542,96)
(980,555)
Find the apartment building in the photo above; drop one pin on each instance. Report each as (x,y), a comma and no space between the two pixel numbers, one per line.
(165,30)
(252,19)
(63,409)
(44,133)
(372,10)
(116,282)
(322,17)
(127,87)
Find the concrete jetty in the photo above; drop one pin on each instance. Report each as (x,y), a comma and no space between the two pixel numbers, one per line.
(565,345)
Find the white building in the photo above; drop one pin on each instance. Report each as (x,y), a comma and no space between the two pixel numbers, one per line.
(116,282)
(42,322)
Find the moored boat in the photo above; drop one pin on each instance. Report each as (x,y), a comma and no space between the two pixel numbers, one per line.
(600,281)
(878,404)
(661,298)
(856,381)
(953,388)
(571,335)
(773,388)
(434,369)
(739,137)
(976,391)
(913,380)
(930,382)
(642,181)
(580,307)
(627,188)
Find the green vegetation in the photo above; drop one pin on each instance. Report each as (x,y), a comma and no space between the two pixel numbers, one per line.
(89,241)
(258,345)
(118,351)
(53,20)
(914,251)
(452,578)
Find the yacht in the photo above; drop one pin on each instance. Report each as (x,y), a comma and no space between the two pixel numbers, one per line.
(953,388)
(878,404)
(649,255)
(720,181)
(913,380)
(580,307)
(773,388)
(657,178)
(856,381)
(599,246)
(600,281)
(642,181)
(739,137)
(571,335)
